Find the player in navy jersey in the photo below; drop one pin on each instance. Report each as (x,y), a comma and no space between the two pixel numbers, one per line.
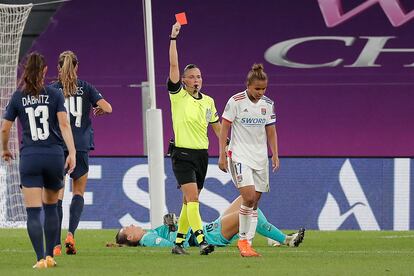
(80,98)
(43,118)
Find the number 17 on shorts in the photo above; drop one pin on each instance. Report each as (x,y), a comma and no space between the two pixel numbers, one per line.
(243,175)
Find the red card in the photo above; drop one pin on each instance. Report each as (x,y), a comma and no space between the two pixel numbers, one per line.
(181,18)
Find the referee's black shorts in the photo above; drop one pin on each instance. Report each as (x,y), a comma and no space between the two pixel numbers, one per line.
(189,165)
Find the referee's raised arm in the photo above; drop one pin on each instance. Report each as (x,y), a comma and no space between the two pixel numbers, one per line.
(174,69)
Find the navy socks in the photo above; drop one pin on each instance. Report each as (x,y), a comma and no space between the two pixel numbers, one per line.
(267,229)
(51,227)
(60,214)
(35,230)
(76,208)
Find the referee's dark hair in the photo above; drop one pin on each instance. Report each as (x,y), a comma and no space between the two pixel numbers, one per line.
(189,66)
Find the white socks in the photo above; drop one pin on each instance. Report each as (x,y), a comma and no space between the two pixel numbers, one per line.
(245,220)
(253,226)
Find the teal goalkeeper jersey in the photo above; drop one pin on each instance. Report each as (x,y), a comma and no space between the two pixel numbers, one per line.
(161,237)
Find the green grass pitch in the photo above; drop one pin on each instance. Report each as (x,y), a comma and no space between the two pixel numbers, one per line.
(322,253)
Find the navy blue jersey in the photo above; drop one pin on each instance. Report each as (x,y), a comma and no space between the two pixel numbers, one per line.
(38,118)
(79,106)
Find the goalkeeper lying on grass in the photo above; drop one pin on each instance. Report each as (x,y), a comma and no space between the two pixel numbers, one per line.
(221,232)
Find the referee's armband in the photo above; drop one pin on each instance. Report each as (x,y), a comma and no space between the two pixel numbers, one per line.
(173,88)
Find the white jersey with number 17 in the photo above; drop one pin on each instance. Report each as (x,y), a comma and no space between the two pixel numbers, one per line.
(248,144)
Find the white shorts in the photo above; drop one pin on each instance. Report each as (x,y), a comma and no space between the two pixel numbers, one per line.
(242,176)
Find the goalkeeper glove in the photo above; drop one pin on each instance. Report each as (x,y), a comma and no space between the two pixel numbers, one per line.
(171,221)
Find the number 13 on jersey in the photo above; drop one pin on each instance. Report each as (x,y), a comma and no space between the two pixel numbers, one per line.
(74,106)
(41,112)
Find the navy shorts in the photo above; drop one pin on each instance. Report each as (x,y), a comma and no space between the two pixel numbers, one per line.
(82,164)
(38,171)
(189,165)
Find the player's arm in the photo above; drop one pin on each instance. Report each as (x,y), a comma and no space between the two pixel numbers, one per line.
(216,128)
(7,123)
(272,142)
(215,120)
(225,126)
(100,105)
(103,107)
(173,54)
(66,131)
(5,134)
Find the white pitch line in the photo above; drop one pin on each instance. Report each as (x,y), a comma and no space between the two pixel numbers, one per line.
(397,237)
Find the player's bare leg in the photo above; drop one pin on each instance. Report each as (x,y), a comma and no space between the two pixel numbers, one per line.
(230,224)
(234,206)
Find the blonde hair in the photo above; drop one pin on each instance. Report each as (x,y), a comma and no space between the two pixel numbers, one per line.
(256,73)
(67,72)
(32,78)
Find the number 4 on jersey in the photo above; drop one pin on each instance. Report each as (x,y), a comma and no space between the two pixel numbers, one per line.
(74,108)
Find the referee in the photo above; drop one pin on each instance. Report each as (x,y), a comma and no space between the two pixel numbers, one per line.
(192,112)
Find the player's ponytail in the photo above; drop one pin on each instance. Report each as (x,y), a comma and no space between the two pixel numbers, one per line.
(32,77)
(67,72)
(256,73)
(114,244)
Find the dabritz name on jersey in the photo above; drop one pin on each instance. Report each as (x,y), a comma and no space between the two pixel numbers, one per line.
(30,100)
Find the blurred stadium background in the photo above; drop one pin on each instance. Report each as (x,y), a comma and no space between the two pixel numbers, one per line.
(344,103)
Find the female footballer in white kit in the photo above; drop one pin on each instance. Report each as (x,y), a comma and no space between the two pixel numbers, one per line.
(251,117)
